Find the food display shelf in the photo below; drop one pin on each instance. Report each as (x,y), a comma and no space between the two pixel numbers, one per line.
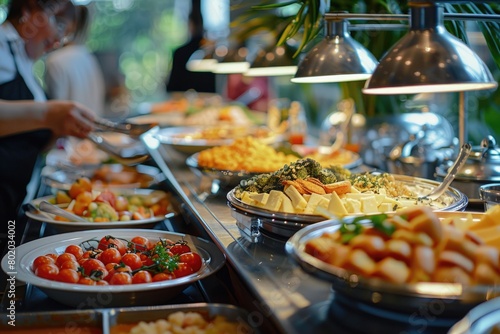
(259,276)
(280,292)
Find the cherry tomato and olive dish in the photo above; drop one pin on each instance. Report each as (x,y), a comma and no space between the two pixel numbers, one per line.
(116,261)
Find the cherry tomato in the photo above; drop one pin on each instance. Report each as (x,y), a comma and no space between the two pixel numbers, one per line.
(179,248)
(76,250)
(111,242)
(42,259)
(101,282)
(92,264)
(132,260)
(162,277)
(53,256)
(146,260)
(90,254)
(182,270)
(86,281)
(99,273)
(48,271)
(120,279)
(139,243)
(113,268)
(193,260)
(70,265)
(65,257)
(107,197)
(68,276)
(110,255)
(142,276)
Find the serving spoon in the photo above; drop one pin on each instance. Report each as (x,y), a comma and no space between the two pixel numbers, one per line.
(462,157)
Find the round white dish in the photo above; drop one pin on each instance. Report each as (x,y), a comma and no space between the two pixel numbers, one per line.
(85,296)
(64,226)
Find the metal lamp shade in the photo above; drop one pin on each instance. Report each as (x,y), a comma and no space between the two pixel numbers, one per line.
(233,61)
(428,60)
(202,60)
(339,57)
(276,61)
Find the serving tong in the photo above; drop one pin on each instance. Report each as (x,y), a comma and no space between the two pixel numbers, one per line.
(130,129)
(127,155)
(55,210)
(462,157)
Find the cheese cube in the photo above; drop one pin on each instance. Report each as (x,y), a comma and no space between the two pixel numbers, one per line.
(352,205)
(379,198)
(354,190)
(336,205)
(286,204)
(246,198)
(274,201)
(261,198)
(313,202)
(298,202)
(323,203)
(386,207)
(368,204)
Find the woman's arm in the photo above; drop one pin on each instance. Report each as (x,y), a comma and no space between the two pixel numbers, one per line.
(63,118)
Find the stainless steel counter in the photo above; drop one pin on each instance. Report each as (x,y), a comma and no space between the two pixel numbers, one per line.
(281,292)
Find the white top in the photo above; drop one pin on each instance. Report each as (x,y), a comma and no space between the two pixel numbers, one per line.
(24,63)
(73,73)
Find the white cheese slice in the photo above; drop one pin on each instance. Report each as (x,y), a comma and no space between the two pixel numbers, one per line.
(274,201)
(386,207)
(336,205)
(261,198)
(352,205)
(368,204)
(246,198)
(355,190)
(379,198)
(286,204)
(313,202)
(299,203)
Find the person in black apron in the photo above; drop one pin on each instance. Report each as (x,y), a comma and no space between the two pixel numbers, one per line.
(18,153)
(19,150)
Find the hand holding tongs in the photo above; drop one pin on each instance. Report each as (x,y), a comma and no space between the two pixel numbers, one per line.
(133,130)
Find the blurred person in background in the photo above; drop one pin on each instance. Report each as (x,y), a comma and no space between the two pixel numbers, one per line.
(73,72)
(181,79)
(28,122)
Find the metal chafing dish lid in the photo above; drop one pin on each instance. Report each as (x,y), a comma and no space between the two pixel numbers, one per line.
(483,163)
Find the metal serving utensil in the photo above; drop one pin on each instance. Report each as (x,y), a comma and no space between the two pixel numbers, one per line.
(126,156)
(462,157)
(347,107)
(131,129)
(55,210)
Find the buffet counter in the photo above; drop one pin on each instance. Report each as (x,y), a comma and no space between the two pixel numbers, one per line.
(274,289)
(259,276)
(279,295)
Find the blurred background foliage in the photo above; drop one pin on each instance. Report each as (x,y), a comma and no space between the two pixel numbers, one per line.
(134,40)
(302,21)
